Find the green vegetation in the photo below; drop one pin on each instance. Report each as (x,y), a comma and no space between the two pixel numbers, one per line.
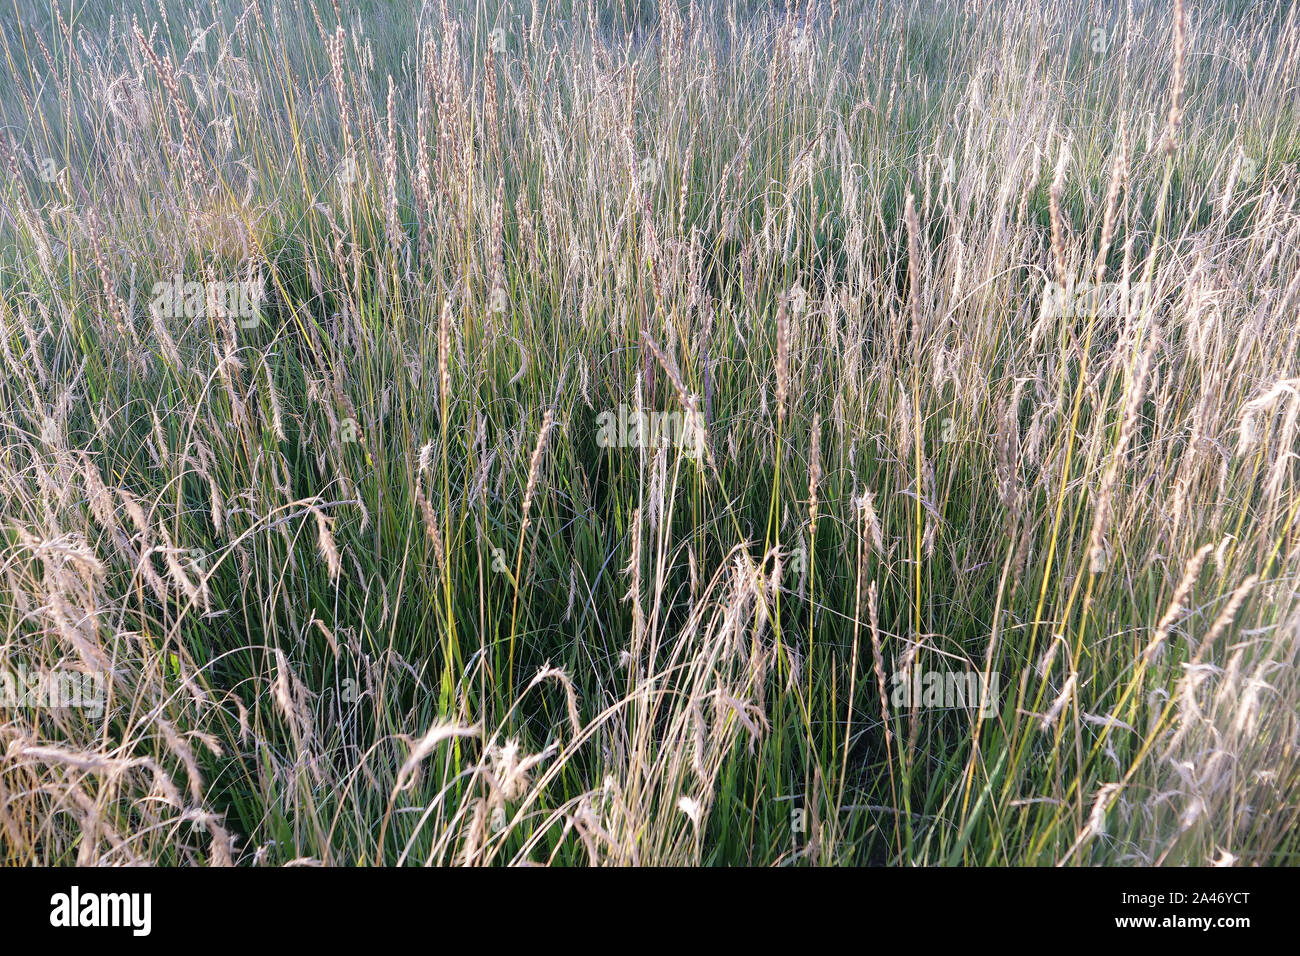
(364,578)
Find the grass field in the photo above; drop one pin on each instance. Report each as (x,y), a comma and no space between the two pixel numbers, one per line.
(722,432)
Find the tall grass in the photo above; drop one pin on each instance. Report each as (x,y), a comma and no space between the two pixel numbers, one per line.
(365,578)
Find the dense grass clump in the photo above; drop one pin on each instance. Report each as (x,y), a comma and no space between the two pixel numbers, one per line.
(829,432)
